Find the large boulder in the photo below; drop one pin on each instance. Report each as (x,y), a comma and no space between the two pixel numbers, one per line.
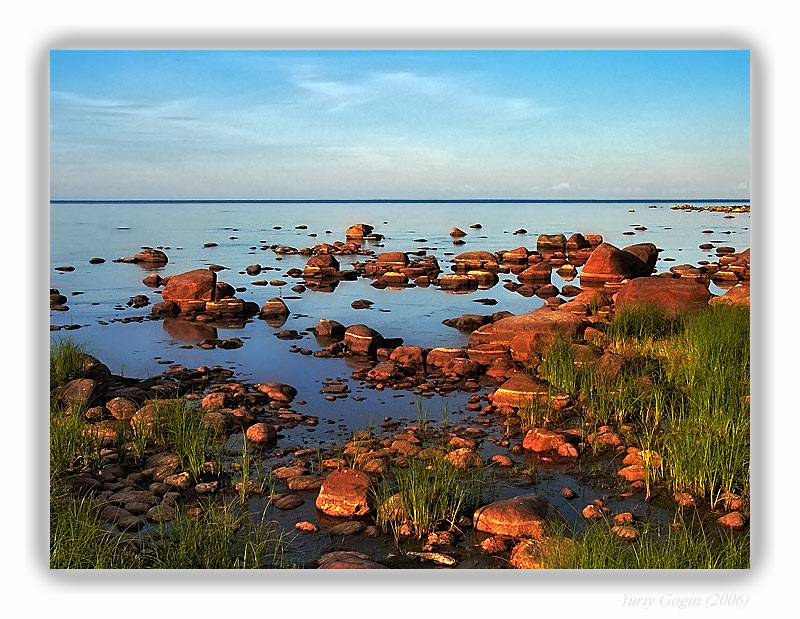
(274,307)
(671,295)
(611,264)
(360,340)
(549,243)
(522,516)
(358,231)
(197,285)
(646,252)
(321,266)
(528,333)
(738,295)
(392,260)
(345,493)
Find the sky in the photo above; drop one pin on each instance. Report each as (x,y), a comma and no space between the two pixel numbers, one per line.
(409,124)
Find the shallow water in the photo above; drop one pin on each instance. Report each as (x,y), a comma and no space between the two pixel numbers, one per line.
(83,231)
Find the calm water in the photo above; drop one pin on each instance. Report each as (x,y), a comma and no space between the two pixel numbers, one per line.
(79,232)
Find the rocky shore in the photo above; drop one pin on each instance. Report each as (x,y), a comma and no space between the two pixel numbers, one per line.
(521,419)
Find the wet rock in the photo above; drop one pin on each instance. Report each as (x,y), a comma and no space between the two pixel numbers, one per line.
(568,493)
(672,295)
(409,357)
(438,358)
(544,553)
(467,322)
(738,295)
(197,285)
(279,392)
(457,233)
(253,269)
(632,473)
(503,461)
(608,263)
(345,493)
(261,435)
(65,269)
(541,440)
(494,544)
(122,408)
(577,241)
(733,520)
(96,260)
(463,458)
(358,231)
(435,557)
(519,391)
(522,516)
(306,527)
(549,243)
(475,260)
(458,283)
(80,392)
(330,329)
(154,280)
(360,340)
(595,511)
(536,273)
(388,370)
(274,307)
(362,304)
(391,261)
(322,265)
(349,560)
(353,527)
(289,501)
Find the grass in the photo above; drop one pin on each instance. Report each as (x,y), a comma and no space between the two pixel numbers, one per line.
(683,389)
(691,545)
(221,537)
(424,495)
(72,443)
(67,361)
(178,427)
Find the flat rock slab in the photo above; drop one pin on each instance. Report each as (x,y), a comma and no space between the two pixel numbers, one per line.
(522,516)
(520,390)
(671,295)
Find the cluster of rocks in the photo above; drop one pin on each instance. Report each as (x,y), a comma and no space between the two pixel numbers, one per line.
(197,295)
(148,258)
(737,208)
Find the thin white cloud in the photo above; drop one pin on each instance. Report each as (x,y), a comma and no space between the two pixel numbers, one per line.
(561,187)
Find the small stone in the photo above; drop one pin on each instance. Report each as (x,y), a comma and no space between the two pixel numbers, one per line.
(733,520)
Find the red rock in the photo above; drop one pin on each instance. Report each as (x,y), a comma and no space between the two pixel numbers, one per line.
(544,553)
(261,434)
(626,532)
(197,285)
(595,512)
(646,252)
(519,391)
(308,527)
(634,472)
(738,295)
(475,260)
(122,408)
(151,256)
(671,295)
(536,273)
(278,392)
(611,264)
(540,440)
(577,241)
(464,458)
(409,357)
(330,328)
(358,231)
(345,493)
(362,341)
(437,358)
(549,243)
(216,399)
(501,460)
(528,333)
(521,516)
(494,545)
(457,233)
(458,283)
(392,260)
(274,307)
(321,265)
(733,520)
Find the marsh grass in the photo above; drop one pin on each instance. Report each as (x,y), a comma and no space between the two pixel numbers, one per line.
(67,360)
(72,443)
(691,545)
(178,427)
(221,537)
(430,494)
(684,390)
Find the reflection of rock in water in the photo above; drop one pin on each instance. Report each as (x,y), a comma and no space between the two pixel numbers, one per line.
(275,320)
(323,284)
(187,331)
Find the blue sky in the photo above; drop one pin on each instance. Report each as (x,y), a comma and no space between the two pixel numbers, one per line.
(399,124)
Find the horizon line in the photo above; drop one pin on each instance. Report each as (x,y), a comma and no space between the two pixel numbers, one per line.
(396,201)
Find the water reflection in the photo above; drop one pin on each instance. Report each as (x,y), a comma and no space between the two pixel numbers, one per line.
(187,331)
